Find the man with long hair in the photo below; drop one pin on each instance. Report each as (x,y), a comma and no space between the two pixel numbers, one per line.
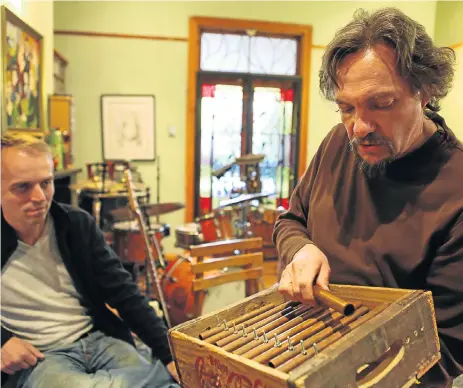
(381,203)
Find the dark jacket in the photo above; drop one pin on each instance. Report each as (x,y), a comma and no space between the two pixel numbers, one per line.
(99,277)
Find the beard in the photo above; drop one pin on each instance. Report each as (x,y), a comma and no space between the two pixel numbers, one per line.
(376,169)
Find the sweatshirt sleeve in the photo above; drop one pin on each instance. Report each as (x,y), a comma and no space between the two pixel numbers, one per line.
(446,284)
(290,233)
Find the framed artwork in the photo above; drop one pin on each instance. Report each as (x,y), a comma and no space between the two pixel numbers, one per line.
(128,127)
(22,58)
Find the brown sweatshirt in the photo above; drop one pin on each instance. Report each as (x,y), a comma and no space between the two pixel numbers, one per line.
(403,229)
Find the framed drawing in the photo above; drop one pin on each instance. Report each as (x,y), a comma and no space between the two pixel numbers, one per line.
(22,89)
(128,127)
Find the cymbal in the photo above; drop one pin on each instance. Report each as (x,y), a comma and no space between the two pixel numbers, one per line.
(250,159)
(243,198)
(222,170)
(154,209)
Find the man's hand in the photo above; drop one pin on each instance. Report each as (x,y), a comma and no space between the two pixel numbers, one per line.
(18,354)
(309,265)
(173,371)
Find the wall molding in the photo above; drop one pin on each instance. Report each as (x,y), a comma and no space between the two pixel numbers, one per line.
(136,36)
(122,36)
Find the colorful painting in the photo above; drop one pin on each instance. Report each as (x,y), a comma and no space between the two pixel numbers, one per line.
(22,58)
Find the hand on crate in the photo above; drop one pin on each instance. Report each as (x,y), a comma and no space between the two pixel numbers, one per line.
(309,266)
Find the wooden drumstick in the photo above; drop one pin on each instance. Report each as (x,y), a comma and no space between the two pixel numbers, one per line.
(333,301)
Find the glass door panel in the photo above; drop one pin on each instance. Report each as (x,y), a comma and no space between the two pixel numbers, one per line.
(245,115)
(221,142)
(272,135)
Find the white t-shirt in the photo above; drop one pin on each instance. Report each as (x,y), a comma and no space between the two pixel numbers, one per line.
(39,302)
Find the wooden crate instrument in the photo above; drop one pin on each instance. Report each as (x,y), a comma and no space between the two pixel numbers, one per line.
(389,340)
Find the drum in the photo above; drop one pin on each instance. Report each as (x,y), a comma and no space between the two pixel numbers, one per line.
(129,243)
(225,221)
(209,228)
(188,234)
(262,221)
(177,287)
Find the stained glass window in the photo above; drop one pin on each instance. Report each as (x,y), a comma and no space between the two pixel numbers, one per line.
(272,131)
(221,127)
(248,54)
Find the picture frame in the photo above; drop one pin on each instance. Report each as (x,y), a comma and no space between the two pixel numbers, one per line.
(22,70)
(128,129)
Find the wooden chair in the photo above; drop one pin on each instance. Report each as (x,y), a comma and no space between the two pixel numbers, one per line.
(212,258)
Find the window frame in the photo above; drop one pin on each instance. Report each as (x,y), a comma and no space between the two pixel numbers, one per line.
(197,25)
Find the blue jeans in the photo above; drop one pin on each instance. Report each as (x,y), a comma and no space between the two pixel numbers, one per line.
(96,361)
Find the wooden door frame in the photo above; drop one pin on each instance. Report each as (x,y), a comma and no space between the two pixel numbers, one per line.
(199,24)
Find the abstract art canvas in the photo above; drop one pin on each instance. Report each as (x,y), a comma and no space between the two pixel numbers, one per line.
(22,49)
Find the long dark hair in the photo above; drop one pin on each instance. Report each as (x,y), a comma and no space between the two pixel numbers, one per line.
(427,68)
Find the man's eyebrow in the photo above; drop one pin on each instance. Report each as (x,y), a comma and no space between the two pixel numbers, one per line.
(372,97)
(19,183)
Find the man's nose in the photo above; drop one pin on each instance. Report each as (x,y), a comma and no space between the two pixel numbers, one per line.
(362,127)
(38,194)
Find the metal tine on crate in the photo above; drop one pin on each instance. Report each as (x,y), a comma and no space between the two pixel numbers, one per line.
(290,346)
(257,323)
(291,323)
(264,336)
(210,332)
(238,343)
(216,334)
(264,353)
(320,337)
(269,354)
(317,315)
(300,358)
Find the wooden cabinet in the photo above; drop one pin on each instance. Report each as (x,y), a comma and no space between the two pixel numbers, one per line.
(61,117)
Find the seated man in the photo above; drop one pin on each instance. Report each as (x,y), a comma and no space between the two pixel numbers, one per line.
(58,275)
(381,203)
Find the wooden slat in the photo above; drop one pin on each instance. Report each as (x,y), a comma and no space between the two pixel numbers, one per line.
(217,280)
(254,259)
(219,247)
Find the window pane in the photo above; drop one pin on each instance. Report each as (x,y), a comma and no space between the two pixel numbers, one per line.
(272,132)
(244,54)
(224,52)
(273,56)
(221,125)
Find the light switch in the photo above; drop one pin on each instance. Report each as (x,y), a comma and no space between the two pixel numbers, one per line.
(172,131)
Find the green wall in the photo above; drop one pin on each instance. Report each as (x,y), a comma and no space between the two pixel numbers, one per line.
(104,65)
